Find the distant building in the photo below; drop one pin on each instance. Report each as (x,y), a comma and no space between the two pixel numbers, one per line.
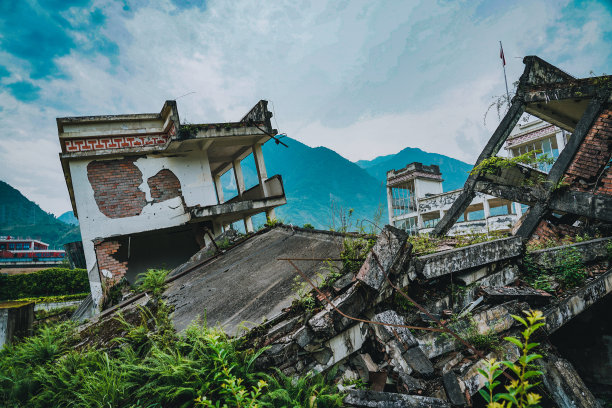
(28,252)
(147,190)
(416,202)
(537,136)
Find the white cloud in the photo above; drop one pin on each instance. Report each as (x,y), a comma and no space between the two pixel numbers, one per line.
(362,78)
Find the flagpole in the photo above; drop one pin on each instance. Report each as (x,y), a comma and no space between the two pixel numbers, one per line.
(504,67)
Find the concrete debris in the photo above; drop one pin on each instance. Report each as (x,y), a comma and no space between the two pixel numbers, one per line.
(390,251)
(373,399)
(535,297)
(452,388)
(565,385)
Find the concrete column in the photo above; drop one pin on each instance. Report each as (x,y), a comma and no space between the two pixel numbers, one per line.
(219,188)
(560,140)
(419,221)
(248,224)
(390,204)
(239,177)
(262,174)
(487,209)
(271,214)
(518,209)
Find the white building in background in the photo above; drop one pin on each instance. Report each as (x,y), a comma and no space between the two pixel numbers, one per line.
(539,136)
(416,201)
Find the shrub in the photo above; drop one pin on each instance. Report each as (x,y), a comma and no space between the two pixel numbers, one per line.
(48,282)
(153,367)
(153,280)
(525,369)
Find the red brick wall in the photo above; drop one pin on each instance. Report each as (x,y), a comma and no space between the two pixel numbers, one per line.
(549,231)
(164,186)
(585,171)
(105,252)
(115,185)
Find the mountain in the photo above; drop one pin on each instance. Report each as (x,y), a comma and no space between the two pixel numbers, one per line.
(24,218)
(454,172)
(68,218)
(320,185)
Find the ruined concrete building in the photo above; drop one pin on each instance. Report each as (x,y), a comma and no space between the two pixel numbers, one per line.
(147,191)
(576,192)
(414,324)
(416,203)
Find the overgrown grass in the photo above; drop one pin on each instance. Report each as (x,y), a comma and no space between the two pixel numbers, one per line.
(150,366)
(153,280)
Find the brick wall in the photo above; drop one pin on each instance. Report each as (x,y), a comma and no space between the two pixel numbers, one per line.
(588,172)
(164,186)
(106,254)
(115,185)
(549,231)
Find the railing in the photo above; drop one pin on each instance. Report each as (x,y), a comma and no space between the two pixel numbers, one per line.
(274,185)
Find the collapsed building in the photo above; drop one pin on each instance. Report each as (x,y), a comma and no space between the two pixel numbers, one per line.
(577,190)
(147,189)
(416,201)
(411,325)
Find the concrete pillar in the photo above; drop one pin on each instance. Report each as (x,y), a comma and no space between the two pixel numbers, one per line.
(219,188)
(518,209)
(262,174)
(560,140)
(390,204)
(271,214)
(239,177)
(248,224)
(487,209)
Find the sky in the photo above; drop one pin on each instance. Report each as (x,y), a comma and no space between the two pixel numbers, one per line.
(362,78)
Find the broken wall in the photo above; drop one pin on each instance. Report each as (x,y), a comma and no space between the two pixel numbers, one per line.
(128,195)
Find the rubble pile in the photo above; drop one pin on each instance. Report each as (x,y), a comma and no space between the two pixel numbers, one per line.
(387,351)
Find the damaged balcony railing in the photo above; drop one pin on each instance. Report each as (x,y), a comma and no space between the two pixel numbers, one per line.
(256,199)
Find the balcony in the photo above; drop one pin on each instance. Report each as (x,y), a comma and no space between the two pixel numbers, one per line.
(253,201)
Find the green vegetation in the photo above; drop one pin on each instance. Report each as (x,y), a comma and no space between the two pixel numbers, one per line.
(153,281)
(517,392)
(149,366)
(22,217)
(565,267)
(48,282)
(60,298)
(308,226)
(493,164)
(354,252)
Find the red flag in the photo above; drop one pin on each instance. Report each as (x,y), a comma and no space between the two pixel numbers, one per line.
(501,54)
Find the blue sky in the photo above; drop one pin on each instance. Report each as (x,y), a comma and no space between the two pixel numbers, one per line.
(363,78)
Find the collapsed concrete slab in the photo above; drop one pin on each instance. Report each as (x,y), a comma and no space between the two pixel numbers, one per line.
(461,259)
(248,284)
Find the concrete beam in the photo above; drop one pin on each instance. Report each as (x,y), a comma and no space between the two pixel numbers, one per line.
(558,169)
(461,259)
(492,147)
(561,313)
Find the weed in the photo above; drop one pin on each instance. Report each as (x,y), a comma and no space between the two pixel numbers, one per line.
(494,164)
(354,252)
(308,226)
(153,280)
(273,222)
(518,391)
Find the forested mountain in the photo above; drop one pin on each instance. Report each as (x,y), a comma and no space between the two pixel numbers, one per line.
(21,217)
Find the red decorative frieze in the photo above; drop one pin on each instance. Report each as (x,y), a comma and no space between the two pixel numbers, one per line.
(119,142)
